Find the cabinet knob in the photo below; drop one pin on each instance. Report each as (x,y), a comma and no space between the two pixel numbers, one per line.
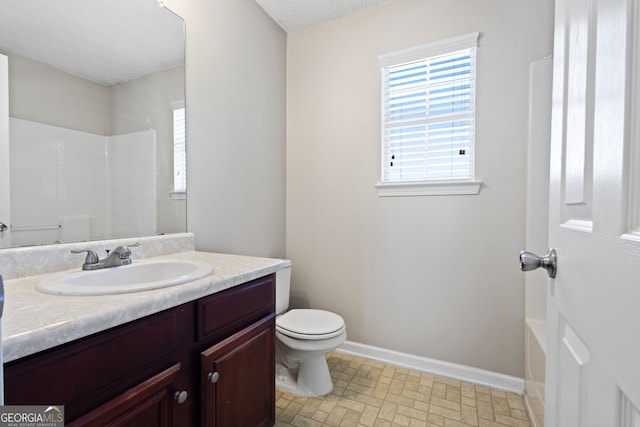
(213,377)
(181,396)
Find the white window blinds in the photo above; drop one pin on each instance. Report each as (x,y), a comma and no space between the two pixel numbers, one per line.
(428,112)
(179,148)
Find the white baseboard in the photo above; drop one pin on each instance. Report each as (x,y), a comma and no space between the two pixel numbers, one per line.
(438,367)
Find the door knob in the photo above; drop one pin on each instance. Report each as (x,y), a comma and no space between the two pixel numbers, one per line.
(530,261)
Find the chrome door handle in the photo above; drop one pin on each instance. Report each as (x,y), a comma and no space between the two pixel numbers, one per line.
(530,261)
(3,226)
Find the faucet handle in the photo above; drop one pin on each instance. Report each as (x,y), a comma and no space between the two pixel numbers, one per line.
(124,252)
(92,256)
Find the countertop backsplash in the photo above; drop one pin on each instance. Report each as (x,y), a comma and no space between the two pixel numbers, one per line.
(34,260)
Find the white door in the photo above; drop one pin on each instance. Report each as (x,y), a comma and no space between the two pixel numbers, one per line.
(593,357)
(5,206)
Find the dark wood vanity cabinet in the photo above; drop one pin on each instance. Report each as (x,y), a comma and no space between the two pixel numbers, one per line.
(231,396)
(148,404)
(209,362)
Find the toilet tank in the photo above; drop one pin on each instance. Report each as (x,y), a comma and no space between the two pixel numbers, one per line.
(283,284)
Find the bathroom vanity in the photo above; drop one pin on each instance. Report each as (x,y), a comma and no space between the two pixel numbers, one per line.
(203,356)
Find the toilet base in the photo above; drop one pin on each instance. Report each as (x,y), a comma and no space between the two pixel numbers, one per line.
(301,365)
(310,378)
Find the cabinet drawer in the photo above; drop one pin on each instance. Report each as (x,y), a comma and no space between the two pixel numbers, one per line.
(227,312)
(91,371)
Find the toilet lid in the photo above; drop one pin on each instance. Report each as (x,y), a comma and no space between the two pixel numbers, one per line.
(310,324)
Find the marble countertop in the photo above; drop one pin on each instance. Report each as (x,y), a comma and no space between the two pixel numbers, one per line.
(34,321)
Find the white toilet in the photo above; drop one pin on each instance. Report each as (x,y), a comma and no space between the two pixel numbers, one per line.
(303,337)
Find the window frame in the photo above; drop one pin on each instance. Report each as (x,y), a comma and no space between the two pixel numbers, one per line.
(426,187)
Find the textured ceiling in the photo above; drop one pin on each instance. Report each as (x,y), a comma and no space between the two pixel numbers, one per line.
(295,14)
(106,41)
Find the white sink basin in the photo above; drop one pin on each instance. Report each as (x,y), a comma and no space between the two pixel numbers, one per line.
(142,275)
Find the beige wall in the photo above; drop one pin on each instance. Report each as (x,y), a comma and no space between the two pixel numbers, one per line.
(430,276)
(44,94)
(433,276)
(235,98)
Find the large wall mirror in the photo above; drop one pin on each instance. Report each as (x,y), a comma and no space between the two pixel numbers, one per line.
(95,141)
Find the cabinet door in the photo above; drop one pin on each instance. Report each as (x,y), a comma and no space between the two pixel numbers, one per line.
(148,404)
(238,378)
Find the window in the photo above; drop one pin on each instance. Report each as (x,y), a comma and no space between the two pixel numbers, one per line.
(428,119)
(179,151)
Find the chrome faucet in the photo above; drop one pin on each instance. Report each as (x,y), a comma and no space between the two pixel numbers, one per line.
(121,255)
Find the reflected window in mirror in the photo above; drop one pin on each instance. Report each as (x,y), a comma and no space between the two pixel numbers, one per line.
(179,152)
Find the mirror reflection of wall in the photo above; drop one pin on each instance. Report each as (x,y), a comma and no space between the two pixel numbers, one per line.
(92,159)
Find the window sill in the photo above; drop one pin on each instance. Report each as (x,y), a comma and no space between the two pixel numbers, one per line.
(178,195)
(428,188)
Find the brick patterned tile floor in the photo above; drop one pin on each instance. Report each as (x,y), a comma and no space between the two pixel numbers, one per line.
(374,394)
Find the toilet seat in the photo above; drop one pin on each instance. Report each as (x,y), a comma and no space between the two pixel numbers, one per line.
(310,324)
